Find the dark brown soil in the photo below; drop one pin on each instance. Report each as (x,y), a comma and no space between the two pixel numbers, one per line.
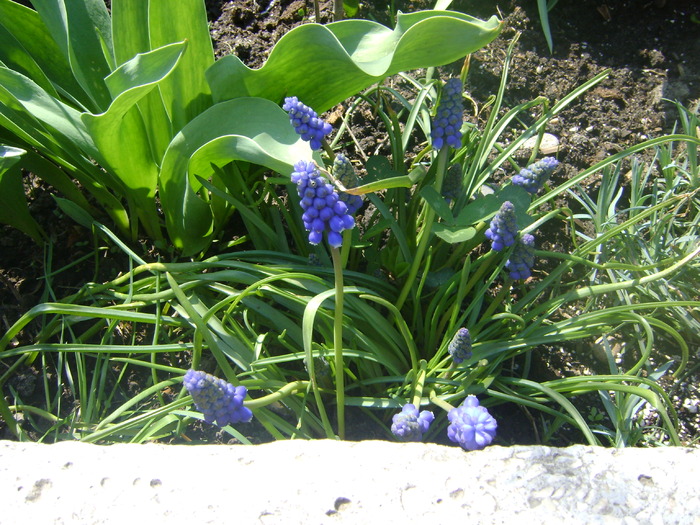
(650,46)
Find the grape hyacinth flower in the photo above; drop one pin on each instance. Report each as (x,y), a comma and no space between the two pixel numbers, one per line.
(306,122)
(522,258)
(448,120)
(409,425)
(533,177)
(460,348)
(218,400)
(344,171)
(471,425)
(323,209)
(503,228)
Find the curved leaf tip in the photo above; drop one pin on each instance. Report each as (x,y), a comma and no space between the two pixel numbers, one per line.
(324,65)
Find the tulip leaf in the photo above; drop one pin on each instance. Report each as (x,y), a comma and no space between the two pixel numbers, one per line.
(324,65)
(250,129)
(35,48)
(13,205)
(120,133)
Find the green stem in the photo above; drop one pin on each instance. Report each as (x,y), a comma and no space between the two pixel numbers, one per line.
(7,415)
(424,236)
(435,400)
(286,390)
(420,381)
(338,342)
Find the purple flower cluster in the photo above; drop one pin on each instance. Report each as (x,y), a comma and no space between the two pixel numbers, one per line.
(503,228)
(306,122)
(523,257)
(471,425)
(344,171)
(535,175)
(448,120)
(323,209)
(409,425)
(218,400)
(460,348)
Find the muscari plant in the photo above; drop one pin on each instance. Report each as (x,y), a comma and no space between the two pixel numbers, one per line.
(416,310)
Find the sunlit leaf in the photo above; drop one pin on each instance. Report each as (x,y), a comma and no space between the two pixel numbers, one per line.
(324,65)
(13,205)
(250,129)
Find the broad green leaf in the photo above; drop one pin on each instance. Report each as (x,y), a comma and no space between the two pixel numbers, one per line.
(186,93)
(13,205)
(142,25)
(438,203)
(131,37)
(9,156)
(144,69)
(51,112)
(13,56)
(36,44)
(453,234)
(130,32)
(120,134)
(82,29)
(324,65)
(249,129)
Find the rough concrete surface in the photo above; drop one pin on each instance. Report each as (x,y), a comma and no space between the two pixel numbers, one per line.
(329,482)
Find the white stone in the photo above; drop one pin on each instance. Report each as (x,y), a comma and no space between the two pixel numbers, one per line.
(329,482)
(548,146)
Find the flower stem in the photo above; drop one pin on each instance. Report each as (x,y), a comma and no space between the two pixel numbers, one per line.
(420,381)
(435,400)
(338,342)
(286,390)
(424,235)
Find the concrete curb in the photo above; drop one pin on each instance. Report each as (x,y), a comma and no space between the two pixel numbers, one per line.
(328,482)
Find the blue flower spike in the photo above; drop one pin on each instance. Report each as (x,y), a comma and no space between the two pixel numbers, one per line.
(219,401)
(344,171)
(409,424)
(523,258)
(504,229)
(448,119)
(460,348)
(533,177)
(323,209)
(306,122)
(471,425)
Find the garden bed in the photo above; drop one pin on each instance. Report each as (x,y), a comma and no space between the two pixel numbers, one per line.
(651,51)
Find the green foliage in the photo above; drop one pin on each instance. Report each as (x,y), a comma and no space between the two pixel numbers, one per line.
(307,329)
(79,84)
(324,65)
(544,7)
(13,206)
